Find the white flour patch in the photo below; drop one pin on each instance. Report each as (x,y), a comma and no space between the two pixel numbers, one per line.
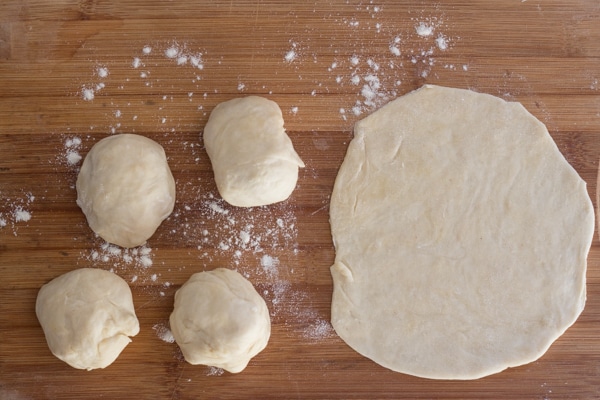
(424,29)
(21,215)
(319,329)
(291,54)
(215,371)
(87,93)
(102,72)
(163,333)
(15,211)
(442,42)
(172,52)
(72,146)
(269,265)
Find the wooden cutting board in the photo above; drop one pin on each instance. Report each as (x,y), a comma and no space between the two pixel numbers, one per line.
(158,69)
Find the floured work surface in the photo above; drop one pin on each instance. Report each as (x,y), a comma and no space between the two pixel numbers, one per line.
(74,73)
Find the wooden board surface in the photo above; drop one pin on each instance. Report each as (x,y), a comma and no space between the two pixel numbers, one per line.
(313,59)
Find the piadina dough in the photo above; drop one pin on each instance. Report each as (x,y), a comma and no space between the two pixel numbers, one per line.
(87,316)
(253,158)
(461,236)
(125,189)
(220,320)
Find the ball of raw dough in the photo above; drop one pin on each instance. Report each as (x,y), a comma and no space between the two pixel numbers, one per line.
(253,159)
(87,316)
(125,189)
(220,320)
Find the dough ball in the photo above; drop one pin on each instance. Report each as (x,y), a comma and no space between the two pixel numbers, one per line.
(253,159)
(125,189)
(87,316)
(220,320)
(461,236)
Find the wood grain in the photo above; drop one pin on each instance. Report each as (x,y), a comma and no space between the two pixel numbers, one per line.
(543,54)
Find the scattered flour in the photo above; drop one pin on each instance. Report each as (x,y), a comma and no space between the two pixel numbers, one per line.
(102,72)
(21,215)
(319,329)
(182,56)
(291,54)
(164,333)
(424,29)
(378,78)
(87,93)
(14,211)
(441,42)
(137,260)
(269,265)
(215,371)
(171,52)
(72,146)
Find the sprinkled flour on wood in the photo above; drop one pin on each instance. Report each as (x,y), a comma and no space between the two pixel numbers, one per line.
(72,147)
(163,332)
(214,371)
(319,329)
(291,54)
(136,261)
(15,211)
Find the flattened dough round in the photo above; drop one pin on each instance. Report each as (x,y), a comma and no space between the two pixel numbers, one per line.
(125,189)
(461,236)
(220,320)
(253,159)
(87,316)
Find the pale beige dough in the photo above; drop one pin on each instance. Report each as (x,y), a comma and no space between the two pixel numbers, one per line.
(125,189)
(220,320)
(87,316)
(253,158)
(461,236)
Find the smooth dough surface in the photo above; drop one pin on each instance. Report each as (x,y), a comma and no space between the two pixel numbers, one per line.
(87,316)
(461,236)
(125,189)
(253,158)
(220,320)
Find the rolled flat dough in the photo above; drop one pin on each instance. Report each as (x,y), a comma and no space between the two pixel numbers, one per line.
(461,236)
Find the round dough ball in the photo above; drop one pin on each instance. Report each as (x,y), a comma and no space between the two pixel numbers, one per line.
(253,159)
(220,320)
(87,316)
(125,189)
